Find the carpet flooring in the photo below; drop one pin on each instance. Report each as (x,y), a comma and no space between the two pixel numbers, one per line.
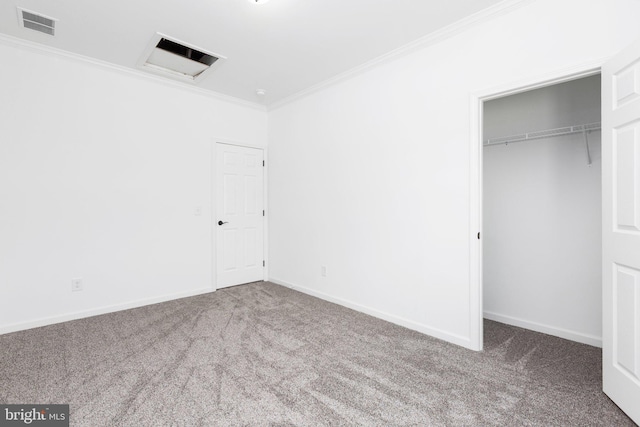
(261,354)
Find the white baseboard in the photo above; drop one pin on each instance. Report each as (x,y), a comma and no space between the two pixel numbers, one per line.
(46,321)
(546,329)
(409,324)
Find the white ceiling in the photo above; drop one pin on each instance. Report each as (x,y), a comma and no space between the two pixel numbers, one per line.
(283,46)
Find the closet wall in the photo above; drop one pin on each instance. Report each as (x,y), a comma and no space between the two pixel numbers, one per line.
(542,213)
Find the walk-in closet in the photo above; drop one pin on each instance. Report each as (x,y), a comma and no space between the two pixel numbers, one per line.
(542,210)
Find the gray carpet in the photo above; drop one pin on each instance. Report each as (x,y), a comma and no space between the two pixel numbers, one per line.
(261,354)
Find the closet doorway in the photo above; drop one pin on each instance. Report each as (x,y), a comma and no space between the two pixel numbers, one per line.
(541,210)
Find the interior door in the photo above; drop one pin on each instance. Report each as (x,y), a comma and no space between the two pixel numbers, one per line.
(621,230)
(240,216)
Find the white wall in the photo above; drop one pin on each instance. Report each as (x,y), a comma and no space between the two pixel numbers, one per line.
(542,213)
(370,176)
(100,176)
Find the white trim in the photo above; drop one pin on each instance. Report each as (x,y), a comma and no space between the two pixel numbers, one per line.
(545,329)
(435,37)
(213,215)
(51,51)
(46,321)
(475,175)
(427,330)
(265,219)
(542,80)
(476,329)
(227,141)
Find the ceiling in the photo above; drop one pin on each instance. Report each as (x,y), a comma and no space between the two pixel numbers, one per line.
(283,46)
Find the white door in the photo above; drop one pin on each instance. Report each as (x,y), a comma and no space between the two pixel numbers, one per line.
(621,230)
(240,216)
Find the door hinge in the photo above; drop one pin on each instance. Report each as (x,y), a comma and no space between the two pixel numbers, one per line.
(478,235)
(264,263)
(263,212)
(263,163)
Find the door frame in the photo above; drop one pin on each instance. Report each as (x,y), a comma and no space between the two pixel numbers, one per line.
(213,216)
(477,99)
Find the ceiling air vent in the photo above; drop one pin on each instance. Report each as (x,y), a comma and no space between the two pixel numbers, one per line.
(173,58)
(37,22)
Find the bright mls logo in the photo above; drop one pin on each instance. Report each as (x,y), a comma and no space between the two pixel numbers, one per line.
(34,415)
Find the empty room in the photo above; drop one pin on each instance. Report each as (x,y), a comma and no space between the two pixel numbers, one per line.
(287,212)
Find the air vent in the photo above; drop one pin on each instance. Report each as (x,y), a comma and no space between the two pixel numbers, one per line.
(37,22)
(173,58)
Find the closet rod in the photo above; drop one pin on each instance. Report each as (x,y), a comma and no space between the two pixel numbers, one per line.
(548,133)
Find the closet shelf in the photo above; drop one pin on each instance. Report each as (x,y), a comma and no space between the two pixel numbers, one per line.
(548,133)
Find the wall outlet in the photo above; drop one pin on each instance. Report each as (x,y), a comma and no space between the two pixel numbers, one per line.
(197,211)
(323,270)
(76,285)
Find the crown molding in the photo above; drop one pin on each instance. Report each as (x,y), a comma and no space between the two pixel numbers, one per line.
(54,52)
(435,37)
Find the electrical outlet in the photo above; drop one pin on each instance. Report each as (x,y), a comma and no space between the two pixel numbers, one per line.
(198,211)
(76,285)
(323,271)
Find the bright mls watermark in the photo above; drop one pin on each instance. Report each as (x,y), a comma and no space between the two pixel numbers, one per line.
(34,415)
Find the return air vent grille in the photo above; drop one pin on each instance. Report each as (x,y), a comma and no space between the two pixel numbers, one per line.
(37,22)
(177,59)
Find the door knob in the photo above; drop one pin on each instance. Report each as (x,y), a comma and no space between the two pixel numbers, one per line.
(221,222)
